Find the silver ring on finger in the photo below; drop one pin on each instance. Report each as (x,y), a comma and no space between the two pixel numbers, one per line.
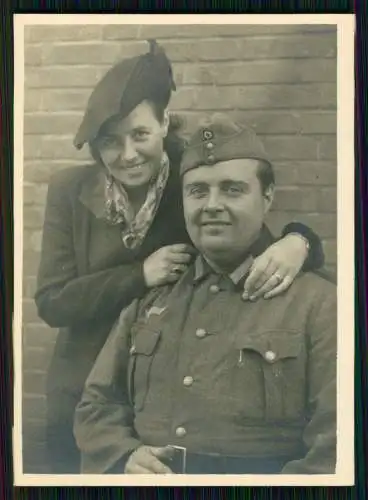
(176,270)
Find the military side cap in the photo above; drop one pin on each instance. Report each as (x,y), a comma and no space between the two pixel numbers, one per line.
(123,87)
(217,139)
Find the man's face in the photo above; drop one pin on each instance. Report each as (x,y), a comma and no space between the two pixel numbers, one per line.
(224,208)
(131,149)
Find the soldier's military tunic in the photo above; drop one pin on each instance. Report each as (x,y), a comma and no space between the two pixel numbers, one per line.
(194,365)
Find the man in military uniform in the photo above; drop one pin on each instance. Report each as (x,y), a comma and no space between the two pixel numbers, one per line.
(194,380)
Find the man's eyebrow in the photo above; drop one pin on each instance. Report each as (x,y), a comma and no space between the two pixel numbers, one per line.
(196,184)
(140,127)
(234,181)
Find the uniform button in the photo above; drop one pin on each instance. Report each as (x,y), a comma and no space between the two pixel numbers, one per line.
(132,350)
(270,356)
(209,145)
(214,289)
(210,158)
(180,432)
(188,381)
(201,333)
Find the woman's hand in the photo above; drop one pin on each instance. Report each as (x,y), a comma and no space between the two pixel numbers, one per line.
(275,270)
(167,264)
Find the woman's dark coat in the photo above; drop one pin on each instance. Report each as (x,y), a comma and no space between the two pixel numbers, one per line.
(86,278)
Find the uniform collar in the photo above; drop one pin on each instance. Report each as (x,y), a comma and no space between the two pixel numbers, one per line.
(202,267)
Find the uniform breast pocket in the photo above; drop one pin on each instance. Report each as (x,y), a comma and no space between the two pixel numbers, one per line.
(280,360)
(143,347)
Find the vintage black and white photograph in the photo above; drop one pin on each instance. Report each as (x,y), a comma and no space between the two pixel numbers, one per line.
(184,226)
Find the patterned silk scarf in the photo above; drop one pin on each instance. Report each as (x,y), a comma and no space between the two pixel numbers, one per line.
(120,211)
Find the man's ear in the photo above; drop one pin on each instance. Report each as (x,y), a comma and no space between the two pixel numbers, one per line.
(268,196)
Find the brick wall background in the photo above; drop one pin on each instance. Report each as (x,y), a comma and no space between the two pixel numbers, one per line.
(281,79)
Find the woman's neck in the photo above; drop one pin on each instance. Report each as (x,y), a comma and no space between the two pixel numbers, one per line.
(137,196)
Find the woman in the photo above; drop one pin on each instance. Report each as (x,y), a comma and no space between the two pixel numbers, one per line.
(115,228)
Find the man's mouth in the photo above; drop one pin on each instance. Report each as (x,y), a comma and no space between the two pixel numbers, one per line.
(215,223)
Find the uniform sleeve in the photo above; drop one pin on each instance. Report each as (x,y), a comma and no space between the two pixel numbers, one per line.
(316,257)
(103,424)
(320,432)
(63,298)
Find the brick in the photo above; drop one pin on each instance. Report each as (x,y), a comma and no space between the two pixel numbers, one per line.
(323,224)
(184,98)
(31,262)
(295,199)
(29,314)
(327,148)
(53,147)
(305,173)
(120,31)
(64,77)
(267,71)
(32,100)
(294,122)
(34,406)
(34,383)
(92,53)
(29,286)
(32,239)
(47,33)
(39,335)
(327,200)
(65,100)
(271,46)
(33,55)
(291,147)
(251,97)
(306,96)
(272,122)
(36,359)
(33,454)
(33,217)
(252,48)
(34,194)
(40,171)
(216,30)
(33,430)
(55,123)
(330,250)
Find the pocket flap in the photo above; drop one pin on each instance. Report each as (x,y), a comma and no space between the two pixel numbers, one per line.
(272,345)
(144,340)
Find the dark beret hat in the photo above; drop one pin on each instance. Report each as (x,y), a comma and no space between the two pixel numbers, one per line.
(218,138)
(123,87)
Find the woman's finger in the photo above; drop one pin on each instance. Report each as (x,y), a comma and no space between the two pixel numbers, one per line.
(180,258)
(269,285)
(182,248)
(257,278)
(284,285)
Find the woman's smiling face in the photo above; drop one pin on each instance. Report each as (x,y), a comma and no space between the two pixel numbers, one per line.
(131,148)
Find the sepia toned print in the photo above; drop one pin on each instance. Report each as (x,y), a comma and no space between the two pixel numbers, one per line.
(98,246)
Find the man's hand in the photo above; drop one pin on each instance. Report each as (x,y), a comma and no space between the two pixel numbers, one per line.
(275,270)
(146,460)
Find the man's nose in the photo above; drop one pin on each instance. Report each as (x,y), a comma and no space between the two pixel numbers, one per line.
(128,153)
(214,203)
